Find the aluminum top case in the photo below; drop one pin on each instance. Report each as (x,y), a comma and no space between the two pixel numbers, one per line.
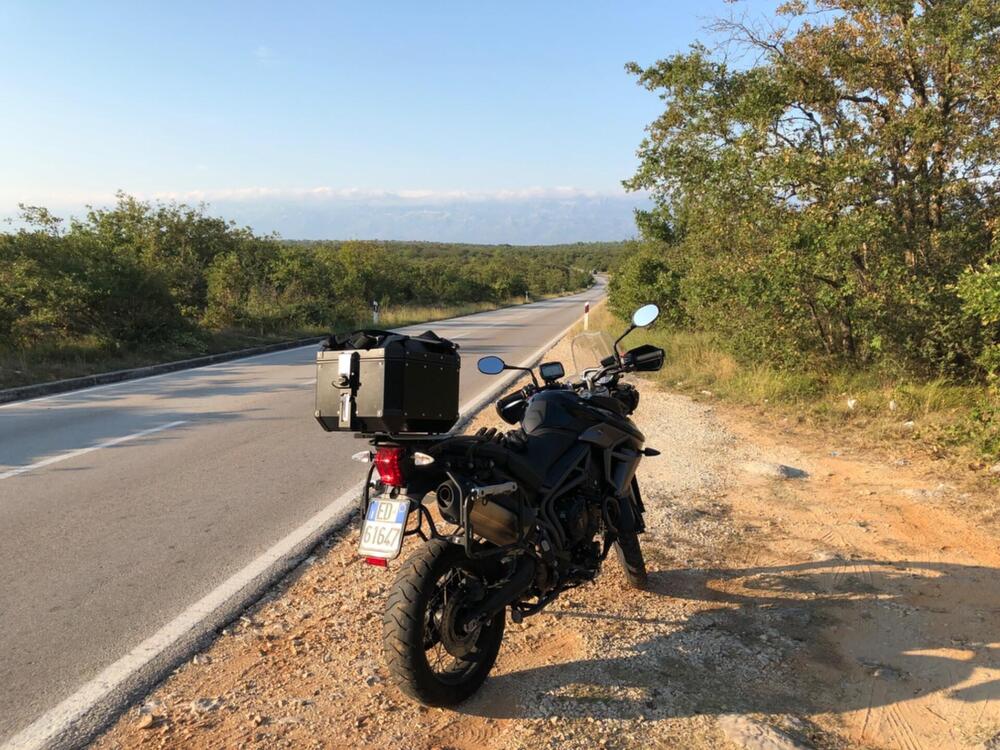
(382,382)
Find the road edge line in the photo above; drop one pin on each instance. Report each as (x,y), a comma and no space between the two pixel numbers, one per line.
(78,719)
(38,391)
(471,408)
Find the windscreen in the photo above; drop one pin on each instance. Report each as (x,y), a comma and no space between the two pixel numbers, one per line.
(589,349)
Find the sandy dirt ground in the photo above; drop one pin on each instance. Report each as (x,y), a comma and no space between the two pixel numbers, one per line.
(841,601)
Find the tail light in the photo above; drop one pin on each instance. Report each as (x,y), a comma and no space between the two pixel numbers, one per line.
(389,462)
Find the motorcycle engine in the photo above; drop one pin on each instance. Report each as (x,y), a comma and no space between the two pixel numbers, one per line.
(572,513)
(580,516)
(580,513)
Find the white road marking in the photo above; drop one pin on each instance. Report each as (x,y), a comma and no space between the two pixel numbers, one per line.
(81,451)
(61,718)
(143,380)
(477,402)
(57,720)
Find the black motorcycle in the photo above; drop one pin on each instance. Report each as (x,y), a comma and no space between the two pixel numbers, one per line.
(519,516)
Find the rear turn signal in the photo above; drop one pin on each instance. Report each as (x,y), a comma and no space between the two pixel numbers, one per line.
(389,462)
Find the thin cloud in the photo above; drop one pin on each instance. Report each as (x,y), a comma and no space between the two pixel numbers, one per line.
(264,55)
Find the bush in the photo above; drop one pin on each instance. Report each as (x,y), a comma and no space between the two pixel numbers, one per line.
(980,294)
(643,277)
(56,286)
(822,203)
(141,274)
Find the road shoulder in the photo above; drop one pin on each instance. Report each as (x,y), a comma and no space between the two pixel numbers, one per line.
(849,603)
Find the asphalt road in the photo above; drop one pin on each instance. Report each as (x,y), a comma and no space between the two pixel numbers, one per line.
(123,504)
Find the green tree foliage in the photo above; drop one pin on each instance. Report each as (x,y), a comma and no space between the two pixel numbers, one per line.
(980,293)
(141,273)
(179,241)
(825,200)
(61,284)
(645,275)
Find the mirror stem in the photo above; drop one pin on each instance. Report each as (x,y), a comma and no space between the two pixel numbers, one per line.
(618,356)
(524,369)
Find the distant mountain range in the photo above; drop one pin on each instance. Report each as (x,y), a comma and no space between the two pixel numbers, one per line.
(518,219)
(534,216)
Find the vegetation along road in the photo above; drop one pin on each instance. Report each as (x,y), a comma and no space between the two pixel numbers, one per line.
(820,231)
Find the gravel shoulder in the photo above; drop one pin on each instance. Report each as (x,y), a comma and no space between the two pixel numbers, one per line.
(849,603)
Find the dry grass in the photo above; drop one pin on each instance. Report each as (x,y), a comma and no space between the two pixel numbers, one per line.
(395,317)
(960,420)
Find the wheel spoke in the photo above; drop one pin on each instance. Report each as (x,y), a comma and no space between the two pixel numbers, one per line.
(436,623)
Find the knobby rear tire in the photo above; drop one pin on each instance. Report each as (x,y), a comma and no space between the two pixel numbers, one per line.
(403,631)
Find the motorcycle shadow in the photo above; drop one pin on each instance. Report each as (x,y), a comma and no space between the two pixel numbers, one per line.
(825,637)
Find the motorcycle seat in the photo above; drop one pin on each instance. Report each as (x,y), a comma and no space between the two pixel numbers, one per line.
(485,446)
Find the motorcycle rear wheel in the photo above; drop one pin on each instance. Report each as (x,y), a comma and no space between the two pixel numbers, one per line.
(430,658)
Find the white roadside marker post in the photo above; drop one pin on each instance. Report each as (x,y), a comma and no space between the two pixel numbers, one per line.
(375,312)
(586,316)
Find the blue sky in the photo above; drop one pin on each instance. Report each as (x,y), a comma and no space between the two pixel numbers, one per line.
(462,121)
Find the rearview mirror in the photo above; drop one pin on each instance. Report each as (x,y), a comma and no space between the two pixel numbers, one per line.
(645,315)
(491,365)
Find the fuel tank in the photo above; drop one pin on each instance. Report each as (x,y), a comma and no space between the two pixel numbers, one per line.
(555,420)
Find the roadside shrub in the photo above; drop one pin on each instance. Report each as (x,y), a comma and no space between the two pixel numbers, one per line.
(141,275)
(643,277)
(981,428)
(980,294)
(55,286)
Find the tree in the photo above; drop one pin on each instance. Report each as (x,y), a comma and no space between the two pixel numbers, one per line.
(643,277)
(55,283)
(827,197)
(178,241)
(145,273)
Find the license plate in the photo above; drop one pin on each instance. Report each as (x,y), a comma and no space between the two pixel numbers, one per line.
(382,529)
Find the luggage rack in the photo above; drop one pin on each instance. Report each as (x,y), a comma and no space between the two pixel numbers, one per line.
(376,438)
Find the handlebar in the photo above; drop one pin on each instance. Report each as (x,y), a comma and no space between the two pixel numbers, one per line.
(646,358)
(513,398)
(592,377)
(604,378)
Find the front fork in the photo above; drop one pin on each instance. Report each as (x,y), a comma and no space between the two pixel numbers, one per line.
(638,507)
